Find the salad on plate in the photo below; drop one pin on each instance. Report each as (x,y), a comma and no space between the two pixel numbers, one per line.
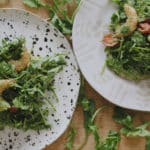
(24,80)
(128,42)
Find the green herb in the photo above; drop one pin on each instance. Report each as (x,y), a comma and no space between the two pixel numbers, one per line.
(70,140)
(141,6)
(34,3)
(111,141)
(148,38)
(25,105)
(58,13)
(11,50)
(128,129)
(7,70)
(125,30)
(89,108)
(147,143)
(131,58)
(122,117)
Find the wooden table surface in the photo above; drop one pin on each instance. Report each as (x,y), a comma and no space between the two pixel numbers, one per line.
(104,120)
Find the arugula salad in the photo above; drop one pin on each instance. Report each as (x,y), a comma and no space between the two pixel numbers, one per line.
(128,43)
(24,80)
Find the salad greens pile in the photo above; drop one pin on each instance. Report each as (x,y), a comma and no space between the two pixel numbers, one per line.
(131,57)
(23,104)
(142,8)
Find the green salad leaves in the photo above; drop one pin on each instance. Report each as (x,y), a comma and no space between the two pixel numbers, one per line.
(123,118)
(142,7)
(25,105)
(11,49)
(130,56)
(59,14)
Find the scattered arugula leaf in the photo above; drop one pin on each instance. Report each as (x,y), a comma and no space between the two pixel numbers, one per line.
(122,117)
(147,147)
(34,3)
(58,13)
(70,139)
(89,112)
(128,129)
(111,141)
(137,131)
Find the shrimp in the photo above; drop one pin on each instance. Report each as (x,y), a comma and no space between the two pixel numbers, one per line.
(109,40)
(144,26)
(5,84)
(21,63)
(131,22)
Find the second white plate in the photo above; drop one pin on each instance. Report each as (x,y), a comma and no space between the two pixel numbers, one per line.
(90,24)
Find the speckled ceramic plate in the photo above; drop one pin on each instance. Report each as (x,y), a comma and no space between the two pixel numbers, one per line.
(91,23)
(44,40)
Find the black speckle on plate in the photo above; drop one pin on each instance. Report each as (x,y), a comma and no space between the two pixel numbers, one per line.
(45,39)
(69,83)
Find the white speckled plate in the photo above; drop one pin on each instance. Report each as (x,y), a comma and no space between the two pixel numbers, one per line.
(90,24)
(44,39)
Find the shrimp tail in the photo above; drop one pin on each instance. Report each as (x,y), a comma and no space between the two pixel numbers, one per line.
(5,84)
(130,24)
(21,63)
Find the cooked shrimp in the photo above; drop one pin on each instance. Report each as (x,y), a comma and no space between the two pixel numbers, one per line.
(23,62)
(109,40)
(131,22)
(144,28)
(5,84)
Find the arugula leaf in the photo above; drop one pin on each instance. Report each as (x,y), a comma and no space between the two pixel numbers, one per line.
(70,140)
(89,116)
(64,26)
(7,70)
(58,13)
(122,117)
(128,129)
(25,119)
(137,131)
(147,147)
(111,141)
(94,130)
(3,105)
(11,49)
(34,3)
